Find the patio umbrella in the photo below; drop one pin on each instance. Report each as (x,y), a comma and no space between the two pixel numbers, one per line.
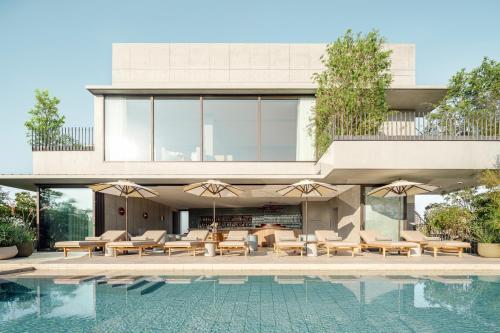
(307,188)
(401,188)
(213,189)
(124,188)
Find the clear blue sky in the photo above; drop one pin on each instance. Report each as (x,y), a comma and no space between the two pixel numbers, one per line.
(64,45)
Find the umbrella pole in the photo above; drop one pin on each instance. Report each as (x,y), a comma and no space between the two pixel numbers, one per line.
(399,221)
(126,217)
(214,229)
(306,218)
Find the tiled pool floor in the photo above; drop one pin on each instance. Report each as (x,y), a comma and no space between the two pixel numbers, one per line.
(251,304)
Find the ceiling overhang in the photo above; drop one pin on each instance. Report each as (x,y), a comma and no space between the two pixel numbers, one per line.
(419,98)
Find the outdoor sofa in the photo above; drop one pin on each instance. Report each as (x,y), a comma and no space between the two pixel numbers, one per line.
(236,239)
(149,240)
(384,244)
(330,240)
(435,244)
(286,240)
(192,241)
(91,243)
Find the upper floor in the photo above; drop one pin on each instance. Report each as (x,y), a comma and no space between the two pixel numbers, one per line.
(242,112)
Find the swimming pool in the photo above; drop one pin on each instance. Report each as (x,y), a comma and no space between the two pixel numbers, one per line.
(251,304)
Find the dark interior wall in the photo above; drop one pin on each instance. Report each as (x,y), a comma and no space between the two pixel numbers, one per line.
(282,214)
(159,216)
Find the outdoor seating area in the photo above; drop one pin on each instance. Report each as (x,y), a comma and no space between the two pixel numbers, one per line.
(236,242)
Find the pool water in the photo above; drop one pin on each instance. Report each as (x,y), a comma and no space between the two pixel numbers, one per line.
(251,304)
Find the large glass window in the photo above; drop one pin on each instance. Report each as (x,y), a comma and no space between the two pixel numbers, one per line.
(382,214)
(65,214)
(230,129)
(279,129)
(128,128)
(177,133)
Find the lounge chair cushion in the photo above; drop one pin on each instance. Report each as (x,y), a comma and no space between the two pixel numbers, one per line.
(139,238)
(341,244)
(132,243)
(444,244)
(235,239)
(294,243)
(324,235)
(182,243)
(287,239)
(77,244)
(390,244)
(383,238)
(333,239)
(232,243)
(196,235)
(237,235)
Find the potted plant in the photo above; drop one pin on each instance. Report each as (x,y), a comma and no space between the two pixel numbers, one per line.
(488,240)
(8,238)
(486,225)
(24,242)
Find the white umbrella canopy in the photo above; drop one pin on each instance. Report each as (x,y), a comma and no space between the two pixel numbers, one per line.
(127,189)
(308,188)
(213,189)
(401,188)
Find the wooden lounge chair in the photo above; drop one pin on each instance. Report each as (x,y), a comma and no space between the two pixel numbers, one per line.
(192,241)
(372,240)
(91,243)
(329,239)
(435,244)
(236,239)
(150,239)
(286,240)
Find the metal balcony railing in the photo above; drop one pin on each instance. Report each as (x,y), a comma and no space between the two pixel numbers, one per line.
(63,139)
(412,126)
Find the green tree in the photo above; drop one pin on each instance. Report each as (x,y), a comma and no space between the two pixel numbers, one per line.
(25,208)
(472,103)
(450,220)
(351,89)
(5,209)
(45,119)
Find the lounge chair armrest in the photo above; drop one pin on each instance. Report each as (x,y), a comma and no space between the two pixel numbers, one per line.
(92,238)
(432,238)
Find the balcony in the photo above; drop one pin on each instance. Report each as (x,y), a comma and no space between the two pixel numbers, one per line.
(417,126)
(64,139)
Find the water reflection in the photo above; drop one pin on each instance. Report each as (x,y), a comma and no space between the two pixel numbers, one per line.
(253,303)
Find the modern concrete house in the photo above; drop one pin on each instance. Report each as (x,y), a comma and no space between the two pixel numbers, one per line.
(240,113)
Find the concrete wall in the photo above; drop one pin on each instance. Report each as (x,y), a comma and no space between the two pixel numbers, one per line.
(341,214)
(204,64)
(137,225)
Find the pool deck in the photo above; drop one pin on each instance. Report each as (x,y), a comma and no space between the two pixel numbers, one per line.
(264,262)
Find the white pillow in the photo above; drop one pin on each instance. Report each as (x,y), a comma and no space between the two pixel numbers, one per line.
(383,238)
(333,239)
(287,239)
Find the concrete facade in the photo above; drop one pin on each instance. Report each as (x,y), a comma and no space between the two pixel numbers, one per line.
(171,64)
(159,216)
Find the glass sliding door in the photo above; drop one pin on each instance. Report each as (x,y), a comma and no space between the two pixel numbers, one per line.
(230,129)
(65,214)
(177,129)
(278,129)
(127,128)
(382,214)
